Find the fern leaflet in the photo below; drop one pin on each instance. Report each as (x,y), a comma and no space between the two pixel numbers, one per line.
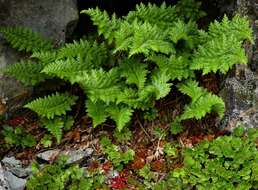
(134,72)
(106,25)
(202,102)
(53,105)
(25,39)
(219,54)
(165,15)
(120,114)
(27,72)
(97,111)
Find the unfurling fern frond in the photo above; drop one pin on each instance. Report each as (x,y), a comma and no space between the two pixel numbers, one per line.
(27,72)
(219,54)
(106,25)
(53,105)
(134,72)
(25,39)
(162,16)
(239,27)
(202,102)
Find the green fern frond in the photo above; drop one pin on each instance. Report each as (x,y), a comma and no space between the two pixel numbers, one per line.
(158,87)
(205,104)
(90,52)
(120,114)
(76,58)
(202,102)
(239,27)
(177,67)
(189,10)
(219,54)
(24,39)
(191,88)
(162,16)
(27,72)
(97,111)
(187,32)
(44,56)
(100,85)
(55,127)
(106,25)
(128,96)
(146,39)
(67,69)
(52,105)
(90,55)
(134,72)
(72,50)
(124,36)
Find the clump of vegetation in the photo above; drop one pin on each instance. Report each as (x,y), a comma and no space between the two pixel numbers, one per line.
(114,154)
(18,137)
(158,46)
(228,162)
(62,176)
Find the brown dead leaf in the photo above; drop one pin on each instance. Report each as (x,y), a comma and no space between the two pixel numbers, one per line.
(158,165)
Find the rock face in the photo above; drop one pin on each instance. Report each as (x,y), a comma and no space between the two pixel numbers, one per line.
(73,156)
(53,19)
(240,88)
(4,185)
(12,174)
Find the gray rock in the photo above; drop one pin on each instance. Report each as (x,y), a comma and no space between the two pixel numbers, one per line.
(15,183)
(76,156)
(15,167)
(240,94)
(4,185)
(240,88)
(49,155)
(50,18)
(53,19)
(12,93)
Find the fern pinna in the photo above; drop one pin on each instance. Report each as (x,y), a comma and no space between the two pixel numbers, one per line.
(142,56)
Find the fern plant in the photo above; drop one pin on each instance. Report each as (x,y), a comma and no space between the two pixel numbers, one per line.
(143,54)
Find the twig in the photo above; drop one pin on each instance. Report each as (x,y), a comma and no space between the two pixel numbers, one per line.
(147,134)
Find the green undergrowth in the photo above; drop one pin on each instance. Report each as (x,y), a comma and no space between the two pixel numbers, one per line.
(60,176)
(228,162)
(18,137)
(115,155)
